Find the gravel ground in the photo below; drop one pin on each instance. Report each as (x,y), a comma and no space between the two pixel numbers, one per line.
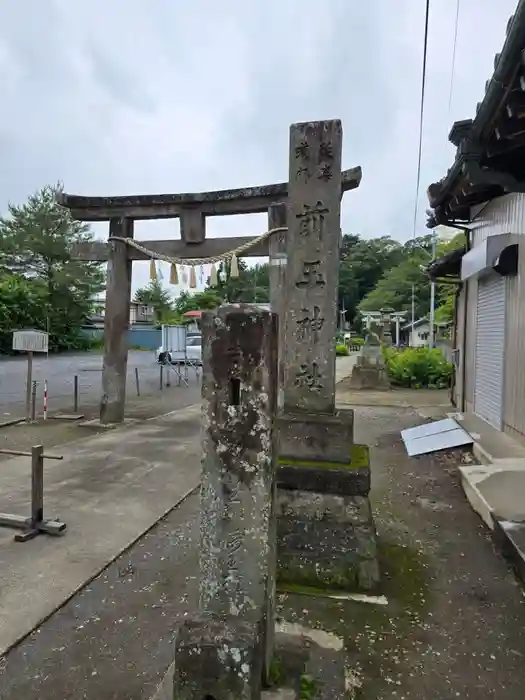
(59,371)
(453,628)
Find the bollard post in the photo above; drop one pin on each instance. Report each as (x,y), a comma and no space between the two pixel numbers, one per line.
(33,402)
(225,651)
(45,399)
(137,380)
(161,380)
(75,393)
(29,384)
(37,485)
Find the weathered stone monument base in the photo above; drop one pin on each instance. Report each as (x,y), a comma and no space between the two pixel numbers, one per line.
(307,663)
(326,536)
(316,436)
(217,657)
(369,373)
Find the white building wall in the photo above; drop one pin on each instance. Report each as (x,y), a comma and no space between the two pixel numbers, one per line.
(414,337)
(502,215)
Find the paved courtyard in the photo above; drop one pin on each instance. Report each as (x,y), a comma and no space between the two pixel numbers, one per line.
(453,627)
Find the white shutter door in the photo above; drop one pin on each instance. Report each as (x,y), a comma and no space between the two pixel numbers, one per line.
(490,350)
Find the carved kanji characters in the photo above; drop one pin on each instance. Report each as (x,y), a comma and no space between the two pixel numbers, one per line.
(309,376)
(311,219)
(311,275)
(302,151)
(310,325)
(326,151)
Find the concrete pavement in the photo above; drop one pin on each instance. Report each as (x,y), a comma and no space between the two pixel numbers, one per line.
(453,625)
(343,366)
(109,489)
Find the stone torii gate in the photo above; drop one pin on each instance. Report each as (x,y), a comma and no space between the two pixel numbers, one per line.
(192,209)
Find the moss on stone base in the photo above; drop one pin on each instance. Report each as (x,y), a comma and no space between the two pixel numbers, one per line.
(358,576)
(359,459)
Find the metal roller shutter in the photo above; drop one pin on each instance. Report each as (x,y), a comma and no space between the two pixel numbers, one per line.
(490,350)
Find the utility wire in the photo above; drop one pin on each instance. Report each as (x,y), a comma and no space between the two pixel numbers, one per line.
(452,73)
(421,113)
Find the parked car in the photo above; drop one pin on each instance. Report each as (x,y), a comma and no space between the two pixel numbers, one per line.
(193,352)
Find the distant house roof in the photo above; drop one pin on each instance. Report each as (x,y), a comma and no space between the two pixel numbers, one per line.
(424,321)
(490,156)
(420,322)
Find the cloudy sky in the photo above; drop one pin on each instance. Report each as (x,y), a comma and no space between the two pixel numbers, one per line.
(127,97)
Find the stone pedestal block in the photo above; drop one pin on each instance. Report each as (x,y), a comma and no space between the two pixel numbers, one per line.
(217,657)
(316,437)
(326,535)
(326,541)
(369,373)
(349,479)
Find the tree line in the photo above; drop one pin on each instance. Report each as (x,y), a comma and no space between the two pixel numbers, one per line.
(373,273)
(42,286)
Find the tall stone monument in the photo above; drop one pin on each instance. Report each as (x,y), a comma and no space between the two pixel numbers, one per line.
(326,533)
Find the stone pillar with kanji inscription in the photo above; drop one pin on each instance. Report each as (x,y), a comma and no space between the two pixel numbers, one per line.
(311,428)
(326,533)
(225,651)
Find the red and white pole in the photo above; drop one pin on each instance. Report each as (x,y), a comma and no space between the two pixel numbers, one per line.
(45,399)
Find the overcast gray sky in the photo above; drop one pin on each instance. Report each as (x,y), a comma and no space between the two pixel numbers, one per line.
(128,97)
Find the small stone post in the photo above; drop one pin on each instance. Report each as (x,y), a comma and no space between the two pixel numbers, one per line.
(116,322)
(226,651)
(277,251)
(386,325)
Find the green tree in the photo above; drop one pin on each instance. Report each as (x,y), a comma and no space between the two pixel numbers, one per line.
(363,263)
(200,301)
(394,288)
(156,296)
(252,284)
(36,243)
(446,293)
(21,303)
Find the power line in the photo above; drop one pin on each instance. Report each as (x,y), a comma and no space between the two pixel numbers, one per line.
(453,58)
(421,113)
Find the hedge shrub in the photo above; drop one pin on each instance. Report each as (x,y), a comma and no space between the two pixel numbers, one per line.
(418,368)
(341,350)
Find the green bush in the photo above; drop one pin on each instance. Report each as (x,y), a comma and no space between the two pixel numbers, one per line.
(357,341)
(418,368)
(341,350)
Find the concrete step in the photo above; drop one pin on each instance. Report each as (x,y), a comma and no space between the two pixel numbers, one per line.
(509,536)
(496,489)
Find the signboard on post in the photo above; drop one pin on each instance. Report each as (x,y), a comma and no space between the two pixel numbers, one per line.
(30,340)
